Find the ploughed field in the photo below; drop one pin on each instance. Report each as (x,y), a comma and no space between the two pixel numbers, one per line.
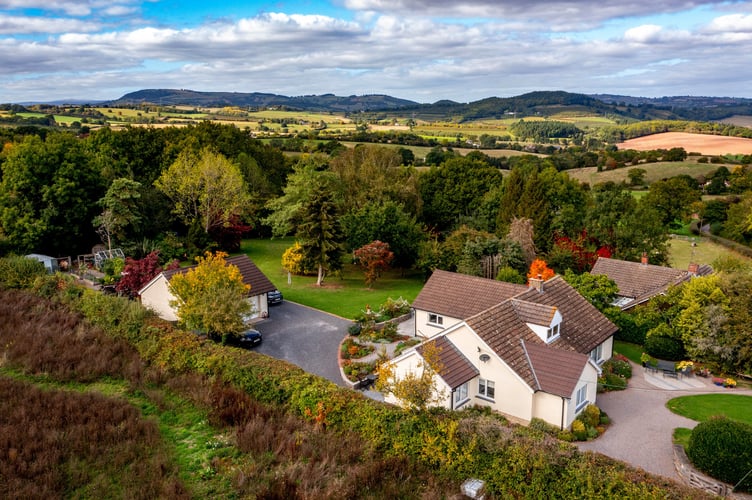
(692,143)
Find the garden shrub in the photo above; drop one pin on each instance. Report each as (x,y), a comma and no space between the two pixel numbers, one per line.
(354,329)
(663,347)
(631,327)
(620,366)
(723,449)
(611,382)
(20,272)
(591,415)
(579,431)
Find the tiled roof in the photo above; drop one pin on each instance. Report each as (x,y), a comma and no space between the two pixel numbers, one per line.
(455,368)
(642,281)
(252,275)
(537,314)
(461,296)
(556,371)
(502,329)
(583,327)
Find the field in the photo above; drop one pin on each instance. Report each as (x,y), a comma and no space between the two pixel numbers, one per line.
(655,171)
(700,143)
(681,252)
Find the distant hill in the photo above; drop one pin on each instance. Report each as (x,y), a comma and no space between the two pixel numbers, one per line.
(539,103)
(326,102)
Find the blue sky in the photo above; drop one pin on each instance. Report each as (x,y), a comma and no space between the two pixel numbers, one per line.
(424,50)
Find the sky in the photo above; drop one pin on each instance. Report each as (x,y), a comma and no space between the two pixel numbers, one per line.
(422,50)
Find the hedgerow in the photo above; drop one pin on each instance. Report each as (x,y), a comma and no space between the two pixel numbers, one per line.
(515,461)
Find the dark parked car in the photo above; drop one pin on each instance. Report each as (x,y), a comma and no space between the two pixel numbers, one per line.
(274,297)
(246,340)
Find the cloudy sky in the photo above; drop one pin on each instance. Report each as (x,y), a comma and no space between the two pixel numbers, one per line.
(424,50)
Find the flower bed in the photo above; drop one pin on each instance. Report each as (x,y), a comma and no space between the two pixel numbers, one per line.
(352,349)
(355,371)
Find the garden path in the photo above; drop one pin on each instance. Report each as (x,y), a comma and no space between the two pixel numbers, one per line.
(642,427)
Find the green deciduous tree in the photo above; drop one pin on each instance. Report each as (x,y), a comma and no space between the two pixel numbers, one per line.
(211,297)
(48,195)
(387,222)
(599,290)
(206,188)
(455,189)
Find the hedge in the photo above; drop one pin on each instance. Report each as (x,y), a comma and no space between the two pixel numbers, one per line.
(723,449)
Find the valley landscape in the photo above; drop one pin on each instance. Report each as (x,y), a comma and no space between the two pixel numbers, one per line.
(500,236)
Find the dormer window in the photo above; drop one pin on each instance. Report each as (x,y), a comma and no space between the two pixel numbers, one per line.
(553,332)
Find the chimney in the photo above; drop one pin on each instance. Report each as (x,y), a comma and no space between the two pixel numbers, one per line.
(693,268)
(644,259)
(536,283)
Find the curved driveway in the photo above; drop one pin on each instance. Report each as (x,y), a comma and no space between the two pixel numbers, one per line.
(304,336)
(642,427)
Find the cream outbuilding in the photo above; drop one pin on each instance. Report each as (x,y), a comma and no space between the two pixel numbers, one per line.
(156,294)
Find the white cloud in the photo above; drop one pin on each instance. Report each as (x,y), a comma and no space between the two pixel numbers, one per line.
(16,25)
(399,53)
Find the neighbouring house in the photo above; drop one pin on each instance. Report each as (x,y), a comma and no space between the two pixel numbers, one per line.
(526,352)
(156,294)
(638,282)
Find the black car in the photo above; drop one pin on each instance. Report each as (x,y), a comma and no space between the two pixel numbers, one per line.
(246,340)
(274,297)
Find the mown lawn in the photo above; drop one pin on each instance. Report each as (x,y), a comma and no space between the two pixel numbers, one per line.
(704,251)
(631,351)
(703,406)
(345,295)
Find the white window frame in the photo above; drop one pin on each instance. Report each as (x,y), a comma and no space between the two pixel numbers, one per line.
(486,389)
(580,400)
(597,354)
(553,332)
(460,395)
(435,319)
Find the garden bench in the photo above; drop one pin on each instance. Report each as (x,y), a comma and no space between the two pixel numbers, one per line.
(668,368)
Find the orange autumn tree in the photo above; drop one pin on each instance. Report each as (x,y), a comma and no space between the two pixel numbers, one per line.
(539,269)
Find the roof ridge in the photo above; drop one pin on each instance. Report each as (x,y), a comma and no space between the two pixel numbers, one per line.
(530,362)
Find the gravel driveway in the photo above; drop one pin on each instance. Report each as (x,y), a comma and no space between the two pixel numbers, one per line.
(642,427)
(304,336)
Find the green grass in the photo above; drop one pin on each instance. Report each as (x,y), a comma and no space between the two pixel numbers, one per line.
(631,351)
(681,252)
(345,295)
(655,171)
(703,406)
(681,436)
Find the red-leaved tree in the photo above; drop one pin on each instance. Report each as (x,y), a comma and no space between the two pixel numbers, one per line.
(138,273)
(374,258)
